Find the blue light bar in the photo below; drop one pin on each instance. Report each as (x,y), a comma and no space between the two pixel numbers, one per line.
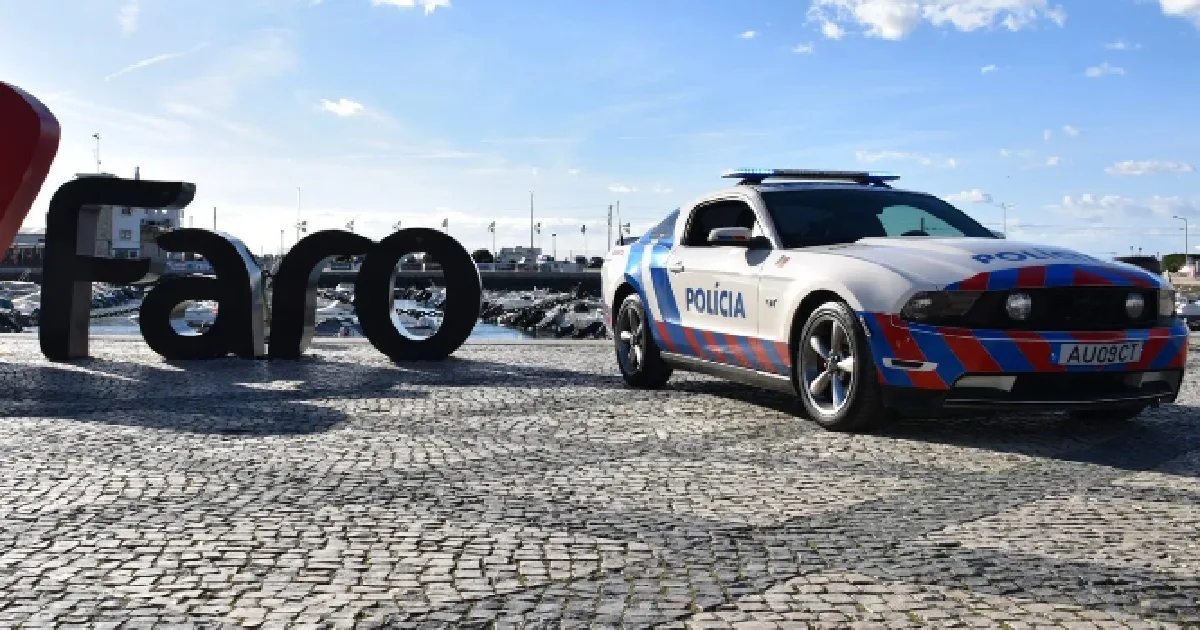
(757,175)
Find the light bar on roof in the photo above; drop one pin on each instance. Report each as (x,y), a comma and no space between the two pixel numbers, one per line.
(757,175)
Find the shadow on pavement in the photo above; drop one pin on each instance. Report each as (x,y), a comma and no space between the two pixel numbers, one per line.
(235,396)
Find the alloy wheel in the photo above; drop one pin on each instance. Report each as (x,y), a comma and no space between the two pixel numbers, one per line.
(827,365)
(631,339)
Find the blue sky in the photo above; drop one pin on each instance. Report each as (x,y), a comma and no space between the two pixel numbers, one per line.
(1081,113)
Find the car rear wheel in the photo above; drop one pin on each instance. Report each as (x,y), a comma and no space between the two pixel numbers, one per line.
(1107,414)
(637,355)
(835,372)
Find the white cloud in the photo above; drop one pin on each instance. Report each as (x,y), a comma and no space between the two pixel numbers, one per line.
(266,55)
(831,30)
(621,188)
(429,5)
(987,69)
(1047,134)
(895,19)
(924,160)
(970,196)
(1070,131)
(1147,167)
(150,61)
(1188,9)
(1053,160)
(1098,208)
(573,172)
(1103,69)
(127,17)
(1024,154)
(804,49)
(748,35)
(661,190)
(1121,44)
(342,107)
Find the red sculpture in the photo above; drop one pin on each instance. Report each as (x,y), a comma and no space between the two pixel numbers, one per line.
(29,136)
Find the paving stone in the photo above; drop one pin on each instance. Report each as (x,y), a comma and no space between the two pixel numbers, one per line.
(522,485)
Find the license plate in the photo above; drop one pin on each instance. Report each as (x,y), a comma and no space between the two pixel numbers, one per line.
(1099,353)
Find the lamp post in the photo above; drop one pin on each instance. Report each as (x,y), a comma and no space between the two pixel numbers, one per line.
(583,231)
(554,244)
(97,137)
(987,198)
(608,241)
(492,229)
(1185,239)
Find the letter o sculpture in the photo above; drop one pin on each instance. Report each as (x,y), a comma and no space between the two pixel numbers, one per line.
(375,305)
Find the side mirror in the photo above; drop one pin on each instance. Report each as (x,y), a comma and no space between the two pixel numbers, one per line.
(730,236)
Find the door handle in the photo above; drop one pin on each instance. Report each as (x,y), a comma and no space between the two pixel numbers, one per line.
(675,267)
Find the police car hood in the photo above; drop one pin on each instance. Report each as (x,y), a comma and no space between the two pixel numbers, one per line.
(946,261)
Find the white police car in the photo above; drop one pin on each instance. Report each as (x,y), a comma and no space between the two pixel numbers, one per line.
(863,299)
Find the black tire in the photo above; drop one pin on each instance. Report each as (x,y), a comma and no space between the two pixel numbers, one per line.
(862,397)
(638,356)
(1107,414)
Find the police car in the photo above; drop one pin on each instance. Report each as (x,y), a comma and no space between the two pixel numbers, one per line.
(864,300)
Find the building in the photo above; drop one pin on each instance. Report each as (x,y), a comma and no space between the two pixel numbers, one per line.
(514,255)
(125,232)
(26,249)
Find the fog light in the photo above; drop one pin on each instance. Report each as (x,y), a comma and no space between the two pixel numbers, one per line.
(1019,306)
(1135,305)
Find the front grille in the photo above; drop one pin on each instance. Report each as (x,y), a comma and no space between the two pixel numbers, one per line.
(1064,309)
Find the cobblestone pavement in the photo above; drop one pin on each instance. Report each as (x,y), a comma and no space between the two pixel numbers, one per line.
(524,485)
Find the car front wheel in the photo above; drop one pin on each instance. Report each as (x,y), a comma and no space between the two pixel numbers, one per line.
(637,354)
(835,372)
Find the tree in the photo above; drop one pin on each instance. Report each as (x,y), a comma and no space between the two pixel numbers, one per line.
(1172,262)
(482,256)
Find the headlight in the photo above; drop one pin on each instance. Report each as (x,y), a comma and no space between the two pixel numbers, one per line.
(1166,303)
(932,306)
(1019,306)
(1135,305)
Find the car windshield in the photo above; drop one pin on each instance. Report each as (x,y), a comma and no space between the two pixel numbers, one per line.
(805,218)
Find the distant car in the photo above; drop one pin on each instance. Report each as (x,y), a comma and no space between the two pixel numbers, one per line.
(596,262)
(582,261)
(863,300)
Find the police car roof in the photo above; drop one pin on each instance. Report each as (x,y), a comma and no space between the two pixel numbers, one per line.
(794,185)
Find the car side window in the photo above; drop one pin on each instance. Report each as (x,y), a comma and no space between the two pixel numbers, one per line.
(711,216)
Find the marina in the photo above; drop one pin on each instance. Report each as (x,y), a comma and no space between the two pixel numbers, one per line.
(503,314)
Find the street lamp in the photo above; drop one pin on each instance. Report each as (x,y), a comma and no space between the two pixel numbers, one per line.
(97,137)
(1185,239)
(554,244)
(987,198)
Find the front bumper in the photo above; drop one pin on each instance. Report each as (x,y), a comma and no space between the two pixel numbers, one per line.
(929,366)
